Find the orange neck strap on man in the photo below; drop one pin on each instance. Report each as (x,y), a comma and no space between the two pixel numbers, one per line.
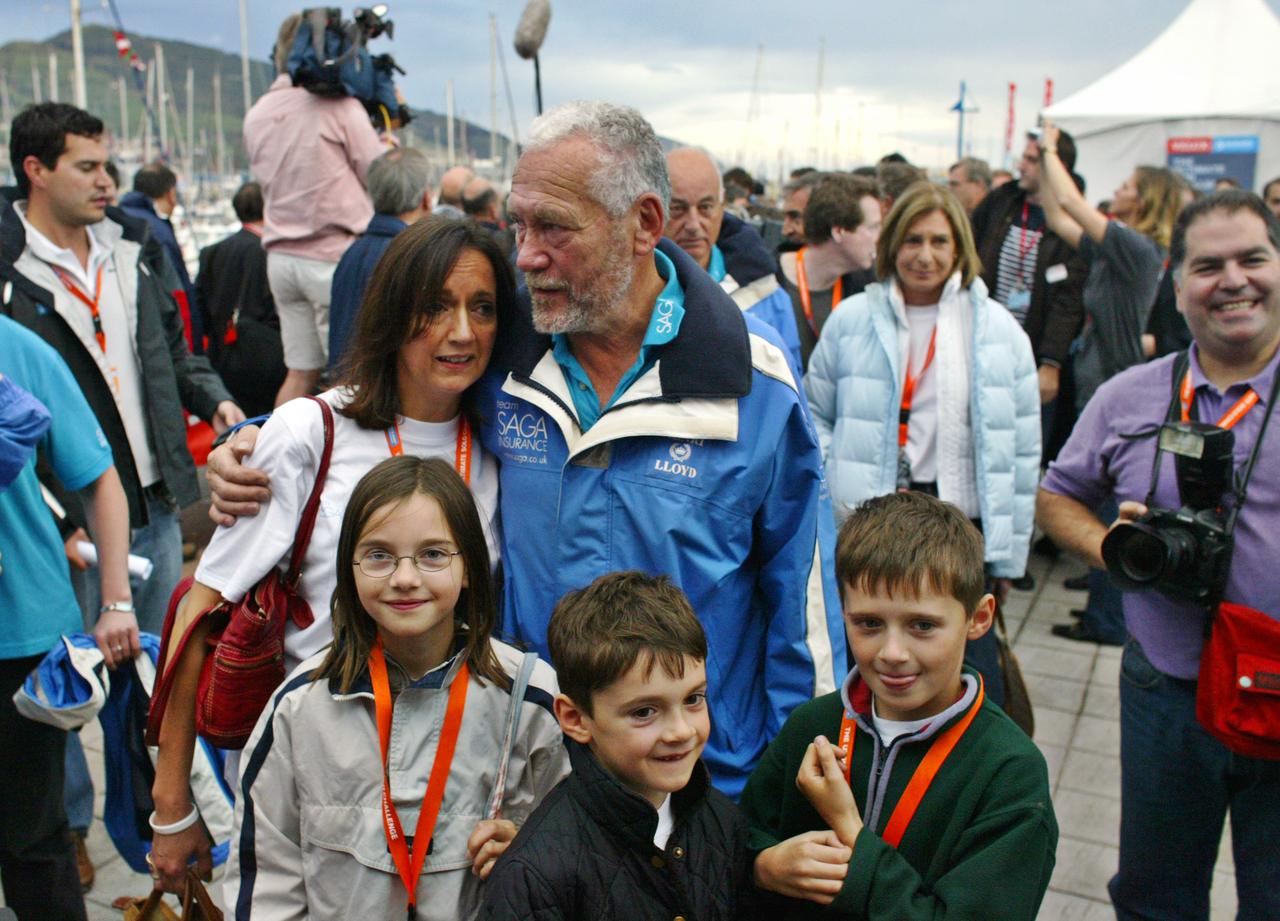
(83,298)
(1233,415)
(461,451)
(802,282)
(409,864)
(924,774)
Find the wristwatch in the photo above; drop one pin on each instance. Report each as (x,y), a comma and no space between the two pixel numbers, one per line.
(124,606)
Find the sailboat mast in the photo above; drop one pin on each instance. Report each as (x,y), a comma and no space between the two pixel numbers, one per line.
(77,58)
(221,166)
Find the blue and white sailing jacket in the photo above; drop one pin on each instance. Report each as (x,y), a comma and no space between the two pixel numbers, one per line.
(707,469)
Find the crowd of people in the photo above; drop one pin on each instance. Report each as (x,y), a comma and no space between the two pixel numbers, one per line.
(651,532)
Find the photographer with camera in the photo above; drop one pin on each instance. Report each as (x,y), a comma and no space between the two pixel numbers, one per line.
(1185,444)
(309,144)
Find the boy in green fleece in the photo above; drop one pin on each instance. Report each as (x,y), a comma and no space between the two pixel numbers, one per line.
(904,795)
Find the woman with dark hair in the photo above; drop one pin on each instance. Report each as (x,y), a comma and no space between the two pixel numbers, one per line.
(425,334)
(924,382)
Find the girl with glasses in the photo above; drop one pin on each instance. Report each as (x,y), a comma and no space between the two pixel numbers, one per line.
(376,777)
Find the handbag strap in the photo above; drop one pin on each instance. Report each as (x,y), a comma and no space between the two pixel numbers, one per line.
(197,897)
(513,724)
(302,539)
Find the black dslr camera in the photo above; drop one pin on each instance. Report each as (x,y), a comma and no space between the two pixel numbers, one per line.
(1184,554)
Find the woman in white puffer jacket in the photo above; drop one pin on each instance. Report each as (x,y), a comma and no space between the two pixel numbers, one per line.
(970,430)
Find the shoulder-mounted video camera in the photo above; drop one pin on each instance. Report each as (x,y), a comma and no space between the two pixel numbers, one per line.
(329,57)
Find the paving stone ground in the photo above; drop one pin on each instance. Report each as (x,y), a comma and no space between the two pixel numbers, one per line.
(1074,689)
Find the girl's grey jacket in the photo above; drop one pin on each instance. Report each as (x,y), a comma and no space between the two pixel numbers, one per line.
(309,840)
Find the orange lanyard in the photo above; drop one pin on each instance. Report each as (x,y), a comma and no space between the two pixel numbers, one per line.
(919,783)
(909,388)
(409,864)
(1230,417)
(84,299)
(802,282)
(461,451)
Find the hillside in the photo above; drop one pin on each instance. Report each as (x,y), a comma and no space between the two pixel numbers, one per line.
(103,67)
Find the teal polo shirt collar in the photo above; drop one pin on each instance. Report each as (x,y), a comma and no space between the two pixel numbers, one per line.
(716,268)
(664,325)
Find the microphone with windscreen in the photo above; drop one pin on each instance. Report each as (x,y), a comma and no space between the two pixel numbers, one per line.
(531,31)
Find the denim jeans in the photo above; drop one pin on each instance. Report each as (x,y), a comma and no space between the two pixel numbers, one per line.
(161,542)
(1177,784)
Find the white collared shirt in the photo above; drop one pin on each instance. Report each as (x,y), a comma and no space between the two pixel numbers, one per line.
(119,363)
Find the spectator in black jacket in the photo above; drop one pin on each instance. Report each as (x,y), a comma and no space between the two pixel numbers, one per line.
(153,199)
(1030,270)
(636,831)
(238,311)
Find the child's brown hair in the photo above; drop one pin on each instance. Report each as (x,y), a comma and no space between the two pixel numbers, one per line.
(907,542)
(475,614)
(597,633)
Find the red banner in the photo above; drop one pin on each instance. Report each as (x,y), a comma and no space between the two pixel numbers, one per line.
(1190,145)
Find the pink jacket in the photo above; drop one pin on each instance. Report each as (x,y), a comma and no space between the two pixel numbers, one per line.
(310,155)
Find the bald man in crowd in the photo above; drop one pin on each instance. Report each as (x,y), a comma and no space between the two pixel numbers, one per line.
(480,203)
(729,249)
(449,201)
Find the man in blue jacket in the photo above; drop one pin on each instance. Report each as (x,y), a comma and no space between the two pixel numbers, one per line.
(641,421)
(646,423)
(729,249)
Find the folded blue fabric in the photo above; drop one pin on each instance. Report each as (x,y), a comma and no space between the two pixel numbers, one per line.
(23,420)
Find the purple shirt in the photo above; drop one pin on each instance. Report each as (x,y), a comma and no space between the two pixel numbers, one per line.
(1096,463)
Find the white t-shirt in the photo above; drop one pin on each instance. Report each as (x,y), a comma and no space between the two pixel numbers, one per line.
(289,449)
(666,824)
(922,429)
(888,730)
(119,365)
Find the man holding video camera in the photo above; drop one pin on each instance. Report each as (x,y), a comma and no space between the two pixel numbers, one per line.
(1196,548)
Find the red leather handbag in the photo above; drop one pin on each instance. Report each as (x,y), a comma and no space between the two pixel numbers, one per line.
(1238,694)
(245,662)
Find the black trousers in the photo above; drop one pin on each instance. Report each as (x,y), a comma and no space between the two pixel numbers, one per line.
(37,858)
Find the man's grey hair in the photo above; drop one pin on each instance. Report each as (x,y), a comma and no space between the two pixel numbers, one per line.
(631,159)
(975,170)
(398,179)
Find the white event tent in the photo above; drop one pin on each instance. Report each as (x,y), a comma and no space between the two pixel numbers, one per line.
(1211,74)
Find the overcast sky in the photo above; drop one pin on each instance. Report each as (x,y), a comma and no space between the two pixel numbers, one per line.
(891,69)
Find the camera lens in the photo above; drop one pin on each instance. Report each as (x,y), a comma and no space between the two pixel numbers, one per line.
(1143,556)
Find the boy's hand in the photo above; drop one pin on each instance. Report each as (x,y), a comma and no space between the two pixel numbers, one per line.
(821,780)
(487,843)
(811,866)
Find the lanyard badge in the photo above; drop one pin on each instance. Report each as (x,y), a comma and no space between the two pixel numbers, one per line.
(409,863)
(904,412)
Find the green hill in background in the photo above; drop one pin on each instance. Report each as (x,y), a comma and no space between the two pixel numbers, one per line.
(103,69)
